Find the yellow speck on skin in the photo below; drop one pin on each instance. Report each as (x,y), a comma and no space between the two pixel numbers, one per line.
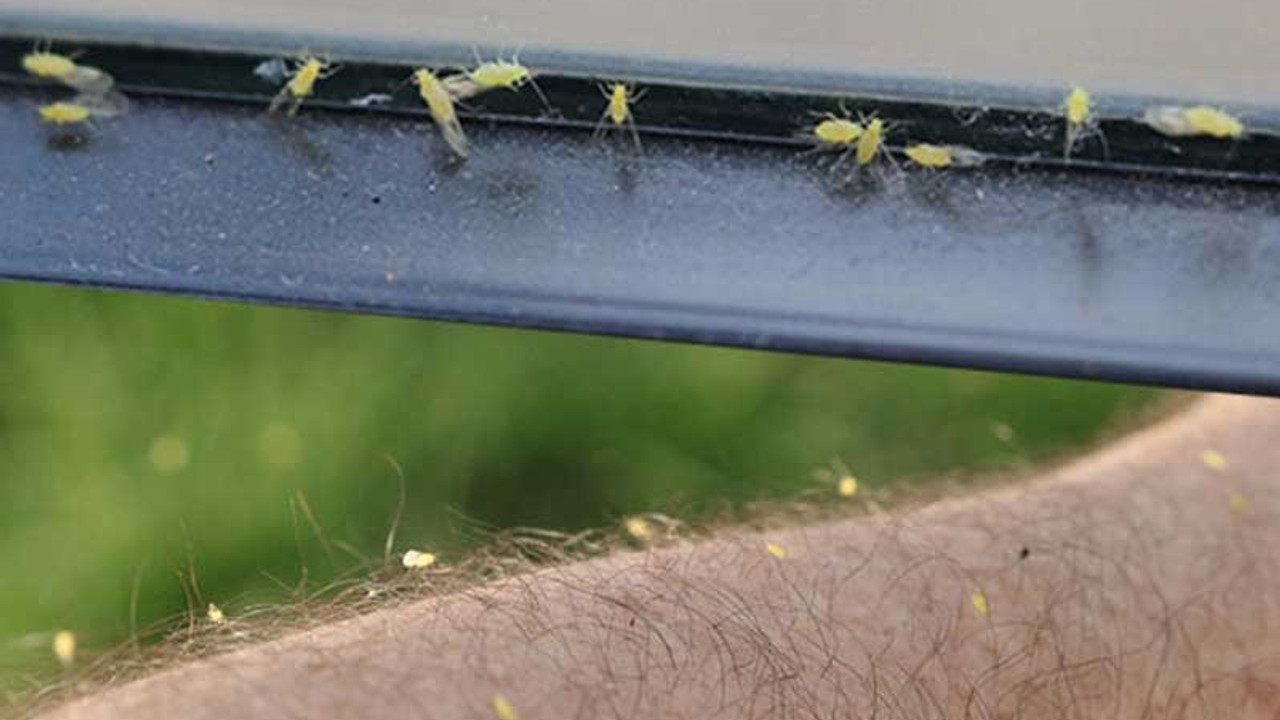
(64,647)
(503,708)
(776,550)
(169,454)
(848,486)
(1238,502)
(415,560)
(280,445)
(638,528)
(980,604)
(1214,460)
(216,615)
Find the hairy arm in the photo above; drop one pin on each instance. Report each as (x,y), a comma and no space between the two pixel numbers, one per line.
(1136,583)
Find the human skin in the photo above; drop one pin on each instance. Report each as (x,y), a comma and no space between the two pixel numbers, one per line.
(1136,582)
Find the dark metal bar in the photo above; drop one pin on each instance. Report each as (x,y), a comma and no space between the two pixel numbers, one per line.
(712,104)
(1122,277)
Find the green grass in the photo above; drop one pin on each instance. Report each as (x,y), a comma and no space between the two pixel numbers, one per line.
(500,426)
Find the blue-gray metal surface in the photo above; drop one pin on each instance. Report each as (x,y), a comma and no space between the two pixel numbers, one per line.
(1096,275)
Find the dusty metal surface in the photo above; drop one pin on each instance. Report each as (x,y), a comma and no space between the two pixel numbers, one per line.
(1047,271)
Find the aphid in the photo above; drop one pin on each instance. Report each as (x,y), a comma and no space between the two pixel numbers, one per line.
(837,132)
(870,141)
(1199,120)
(509,74)
(1214,460)
(64,647)
(980,604)
(64,113)
(432,91)
(940,156)
(638,528)
(1078,109)
(215,615)
(503,708)
(1238,502)
(44,63)
(839,475)
(415,560)
(302,81)
(617,110)
(776,550)
(492,75)
(1213,122)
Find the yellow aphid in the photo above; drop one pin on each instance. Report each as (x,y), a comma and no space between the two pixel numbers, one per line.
(837,131)
(1078,110)
(215,615)
(1199,120)
(503,708)
(941,156)
(1213,122)
(440,103)
(509,74)
(415,560)
(776,550)
(620,97)
(838,474)
(1237,502)
(64,647)
(619,109)
(847,487)
(870,141)
(934,156)
(301,84)
(639,529)
(1214,460)
(64,113)
(980,604)
(1078,107)
(50,65)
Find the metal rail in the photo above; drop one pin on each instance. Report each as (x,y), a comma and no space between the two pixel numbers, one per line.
(1141,263)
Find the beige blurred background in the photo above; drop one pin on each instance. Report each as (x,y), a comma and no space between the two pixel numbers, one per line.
(1225,50)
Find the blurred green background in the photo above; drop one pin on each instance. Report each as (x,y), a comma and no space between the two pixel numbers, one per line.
(134,430)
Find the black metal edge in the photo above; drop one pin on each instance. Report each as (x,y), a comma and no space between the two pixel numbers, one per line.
(925,346)
(711,102)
